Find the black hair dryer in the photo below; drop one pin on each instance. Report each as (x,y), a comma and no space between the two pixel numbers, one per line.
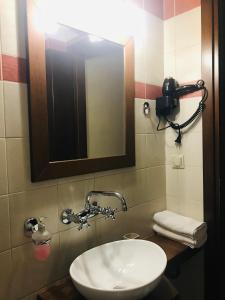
(171,92)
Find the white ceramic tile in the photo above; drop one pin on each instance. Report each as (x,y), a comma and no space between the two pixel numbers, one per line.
(5,275)
(16,110)
(172,182)
(16,161)
(73,242)
(108,230)
(2,114)
(13,28)
(139,60)
(170,64)
(188,64)
(193,210)
(175,204)
(169,35)
(141,151)
(3,168)
(191,184)
(143,123)
(138,219)
(171,148)
(30,275)
(155,149)
(34,203)
(154,50)
(4,224)
(72,195)
(192,149)
(188,28)
(109,183)
(156,177)
(136,187)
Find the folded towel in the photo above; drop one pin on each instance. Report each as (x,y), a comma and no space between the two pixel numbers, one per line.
(192,243)
(181,225)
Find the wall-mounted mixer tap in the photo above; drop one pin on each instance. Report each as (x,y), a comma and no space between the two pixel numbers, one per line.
(92,209)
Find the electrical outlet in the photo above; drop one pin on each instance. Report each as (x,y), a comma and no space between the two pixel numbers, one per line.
(178,161)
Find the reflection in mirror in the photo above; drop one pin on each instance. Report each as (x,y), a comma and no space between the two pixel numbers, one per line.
(86,97)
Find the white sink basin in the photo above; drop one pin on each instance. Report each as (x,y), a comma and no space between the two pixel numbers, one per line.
(126,270)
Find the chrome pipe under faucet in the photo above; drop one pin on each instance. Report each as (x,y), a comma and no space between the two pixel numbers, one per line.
(92,209)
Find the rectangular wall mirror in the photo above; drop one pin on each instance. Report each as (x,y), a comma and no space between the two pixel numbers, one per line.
(81,101)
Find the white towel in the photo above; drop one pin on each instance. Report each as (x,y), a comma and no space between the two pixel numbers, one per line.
(192,243)
(179,224)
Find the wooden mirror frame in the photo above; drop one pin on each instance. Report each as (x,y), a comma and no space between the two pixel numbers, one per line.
(41,167)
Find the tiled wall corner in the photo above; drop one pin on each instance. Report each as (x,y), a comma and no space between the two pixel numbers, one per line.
(182,60)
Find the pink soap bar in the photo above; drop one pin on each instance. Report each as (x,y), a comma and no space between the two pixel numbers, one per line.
(42,252)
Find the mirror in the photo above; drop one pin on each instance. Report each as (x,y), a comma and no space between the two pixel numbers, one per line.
(85,94)
(81,101)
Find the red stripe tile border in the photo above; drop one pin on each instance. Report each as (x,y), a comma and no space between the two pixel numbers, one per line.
(182,6)
(168,9)
(154,7)
(147,91)
(14,69)
(0,67)
(165,9)
(151,91)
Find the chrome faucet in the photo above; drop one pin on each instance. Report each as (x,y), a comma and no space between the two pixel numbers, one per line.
(92,209)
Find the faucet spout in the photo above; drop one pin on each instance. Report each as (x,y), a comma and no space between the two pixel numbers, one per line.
(106,193)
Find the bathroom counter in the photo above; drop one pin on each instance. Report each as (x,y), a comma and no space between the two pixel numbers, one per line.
(175,252)
(65,290)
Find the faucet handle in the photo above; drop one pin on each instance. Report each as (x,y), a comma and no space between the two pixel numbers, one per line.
(83,223)
(109,212)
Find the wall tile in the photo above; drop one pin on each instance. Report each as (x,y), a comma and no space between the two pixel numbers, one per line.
(185,5)
(3,168)
(170,64)
(4,224)
(156,178)
(12,28)
(169,9)
(73,242)
(155,149)
(143,124)
(16,164)
(138,219)
(16,110)
(72,195)
(109,183)
(34,203)
(108,230)
(141,151)
(154,50)
(188,33)
(185,60)
(2,113)
(191,184)
(5,275)
(29,274)
(169,35)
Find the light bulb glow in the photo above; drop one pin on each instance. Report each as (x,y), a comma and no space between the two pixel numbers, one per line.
(115,20)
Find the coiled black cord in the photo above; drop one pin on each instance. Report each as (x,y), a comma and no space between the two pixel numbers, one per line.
(199,110)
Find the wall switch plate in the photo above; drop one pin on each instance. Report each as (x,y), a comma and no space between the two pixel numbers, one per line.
(178,161)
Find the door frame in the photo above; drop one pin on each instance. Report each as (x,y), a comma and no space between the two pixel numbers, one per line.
(212,149)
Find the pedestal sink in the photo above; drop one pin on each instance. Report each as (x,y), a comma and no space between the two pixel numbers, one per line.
(121,270)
